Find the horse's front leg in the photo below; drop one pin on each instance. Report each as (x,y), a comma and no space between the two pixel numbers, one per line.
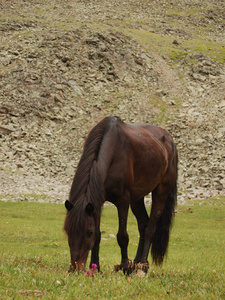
(95,251)
(122,236)
(139,210)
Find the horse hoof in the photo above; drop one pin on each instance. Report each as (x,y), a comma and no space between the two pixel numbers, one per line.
(71,270)
(126,267)
(116,268)
(142,267)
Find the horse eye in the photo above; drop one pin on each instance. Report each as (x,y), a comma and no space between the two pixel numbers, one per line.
(89,234)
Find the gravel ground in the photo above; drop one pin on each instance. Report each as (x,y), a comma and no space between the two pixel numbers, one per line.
(64,65)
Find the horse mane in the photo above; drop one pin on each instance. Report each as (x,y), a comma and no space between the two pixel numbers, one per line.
(87,183)
(86,166)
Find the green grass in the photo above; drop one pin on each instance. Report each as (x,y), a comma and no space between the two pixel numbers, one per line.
(199,36)
(163,45)
(34,256)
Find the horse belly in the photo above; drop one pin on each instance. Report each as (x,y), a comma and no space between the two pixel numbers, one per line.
(147,175)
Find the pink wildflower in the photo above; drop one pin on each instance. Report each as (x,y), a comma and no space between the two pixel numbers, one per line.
(214,271)
(94,267)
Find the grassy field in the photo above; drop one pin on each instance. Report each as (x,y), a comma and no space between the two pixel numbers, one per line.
(34,256)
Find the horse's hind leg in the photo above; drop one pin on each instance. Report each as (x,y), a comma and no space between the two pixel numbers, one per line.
(157,230)
(139,210)
(122,235)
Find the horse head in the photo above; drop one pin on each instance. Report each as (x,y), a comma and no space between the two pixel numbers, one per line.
(80,226)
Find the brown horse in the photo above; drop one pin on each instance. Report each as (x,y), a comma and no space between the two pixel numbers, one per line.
(122,163)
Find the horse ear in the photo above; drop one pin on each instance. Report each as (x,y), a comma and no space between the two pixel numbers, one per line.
(90,208)
(68,205)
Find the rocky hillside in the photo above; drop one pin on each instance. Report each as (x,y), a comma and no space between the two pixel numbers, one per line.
(64,65)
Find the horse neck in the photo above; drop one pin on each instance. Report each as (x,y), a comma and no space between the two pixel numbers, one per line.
(107,151)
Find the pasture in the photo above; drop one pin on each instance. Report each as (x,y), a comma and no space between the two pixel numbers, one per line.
(34,256)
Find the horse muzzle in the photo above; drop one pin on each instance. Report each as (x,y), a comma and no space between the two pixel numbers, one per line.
(78,265)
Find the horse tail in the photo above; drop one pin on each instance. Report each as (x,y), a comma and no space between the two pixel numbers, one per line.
(161,238)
